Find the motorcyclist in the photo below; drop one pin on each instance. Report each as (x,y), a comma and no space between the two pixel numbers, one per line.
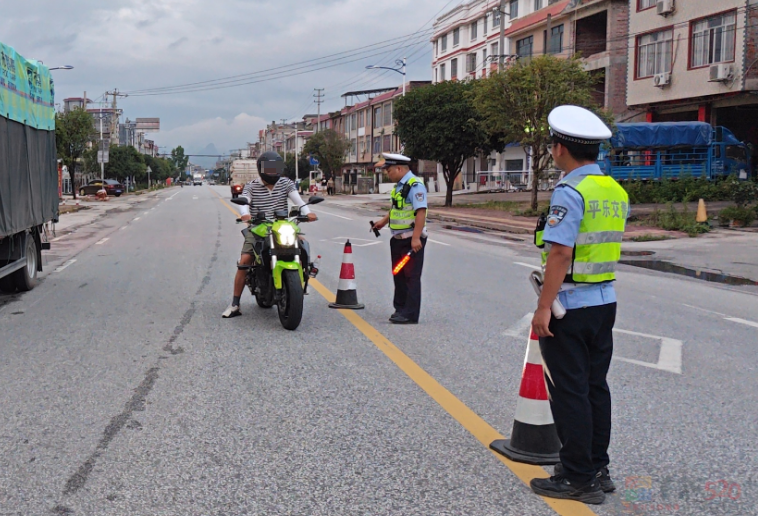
(267,194)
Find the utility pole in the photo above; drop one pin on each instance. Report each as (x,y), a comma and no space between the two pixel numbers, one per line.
(284,138)
(319,99)
(405,61)
(501,44)
(114,119)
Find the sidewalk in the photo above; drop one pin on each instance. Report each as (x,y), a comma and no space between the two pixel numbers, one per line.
(73,216)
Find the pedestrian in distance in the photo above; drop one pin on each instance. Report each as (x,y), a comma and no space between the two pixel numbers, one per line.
(407,222)
(330,186)
(580,239)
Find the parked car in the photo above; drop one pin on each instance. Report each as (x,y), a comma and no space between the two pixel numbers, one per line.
(112,187)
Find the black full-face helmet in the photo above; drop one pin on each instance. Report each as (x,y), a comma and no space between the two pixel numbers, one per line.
(270,167)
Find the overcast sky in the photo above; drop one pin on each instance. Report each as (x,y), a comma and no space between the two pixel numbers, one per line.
(139,44)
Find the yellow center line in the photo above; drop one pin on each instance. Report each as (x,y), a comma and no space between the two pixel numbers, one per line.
(469,419)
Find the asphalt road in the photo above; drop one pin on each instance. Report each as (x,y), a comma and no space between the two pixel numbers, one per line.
(125,393)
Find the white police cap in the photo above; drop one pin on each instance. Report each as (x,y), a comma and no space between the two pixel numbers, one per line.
(577,124)
(388,159)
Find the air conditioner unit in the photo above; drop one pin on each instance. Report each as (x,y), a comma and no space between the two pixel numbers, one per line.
(664,7)
(661,80)
(721,72)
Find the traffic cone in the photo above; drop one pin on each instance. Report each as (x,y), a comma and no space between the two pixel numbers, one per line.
(347,297)
(534,439)
(702,214)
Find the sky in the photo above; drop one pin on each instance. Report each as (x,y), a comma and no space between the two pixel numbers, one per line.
(136,45)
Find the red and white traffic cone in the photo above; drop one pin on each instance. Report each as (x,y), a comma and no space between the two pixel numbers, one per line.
(347,296)
(534,439)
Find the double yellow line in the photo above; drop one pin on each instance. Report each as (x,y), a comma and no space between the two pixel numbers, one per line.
(471,421)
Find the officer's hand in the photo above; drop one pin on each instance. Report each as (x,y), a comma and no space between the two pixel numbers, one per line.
(541,322)
(416,244)
(245,217)
(312,217)
(379,225)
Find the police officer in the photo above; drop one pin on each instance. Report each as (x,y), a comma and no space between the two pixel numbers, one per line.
(407,221)
(581,239)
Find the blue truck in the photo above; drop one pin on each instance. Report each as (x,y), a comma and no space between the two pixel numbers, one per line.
(672,150)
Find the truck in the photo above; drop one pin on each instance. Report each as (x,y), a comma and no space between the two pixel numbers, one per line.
(241,172)
(197,180)
(29,180)
(671,150)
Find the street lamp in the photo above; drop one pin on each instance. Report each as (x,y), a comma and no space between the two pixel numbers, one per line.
(64,67)
(401,70)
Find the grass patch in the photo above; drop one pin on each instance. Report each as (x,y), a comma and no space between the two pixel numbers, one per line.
(509,206)
(672,220)
(650,238)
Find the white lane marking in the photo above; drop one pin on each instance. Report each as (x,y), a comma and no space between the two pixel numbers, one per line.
(57,238)
(101,242)
(529,265)
(169,198)
(726,317)
(340,240)
(195,197)
(65,265)
(669,357)
(438,242)
(123,228)
(742,321)
(520,328)
(136,219)
(332,214)
(146,213)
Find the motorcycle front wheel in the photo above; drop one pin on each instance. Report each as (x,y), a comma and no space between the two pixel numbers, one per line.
(291,301)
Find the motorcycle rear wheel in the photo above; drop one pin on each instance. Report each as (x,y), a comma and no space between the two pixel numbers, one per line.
(291,301)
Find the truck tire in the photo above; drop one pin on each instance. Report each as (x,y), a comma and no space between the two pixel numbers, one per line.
(26,277)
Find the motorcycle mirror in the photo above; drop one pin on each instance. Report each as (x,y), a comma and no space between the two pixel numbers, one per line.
(241,202)
(315,200)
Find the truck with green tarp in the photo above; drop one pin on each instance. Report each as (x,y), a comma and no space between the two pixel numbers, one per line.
(28,167)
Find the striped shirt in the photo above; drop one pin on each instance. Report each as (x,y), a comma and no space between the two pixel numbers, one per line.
(267,200)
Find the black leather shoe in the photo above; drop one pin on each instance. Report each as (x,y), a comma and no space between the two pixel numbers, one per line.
(400,319)
(603,476)
(559,487)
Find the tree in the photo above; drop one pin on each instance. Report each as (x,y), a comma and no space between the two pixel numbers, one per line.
(515,104)
(329,147)
(161,168)
(439,123)
(73,132)
(125,162)
(303,165)
(179,159)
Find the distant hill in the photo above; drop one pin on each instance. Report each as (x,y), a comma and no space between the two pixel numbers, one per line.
(208,162)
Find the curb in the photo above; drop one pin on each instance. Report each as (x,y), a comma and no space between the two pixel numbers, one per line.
(494,226)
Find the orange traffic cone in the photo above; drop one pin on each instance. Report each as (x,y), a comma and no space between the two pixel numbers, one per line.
(347,297)
(534,439)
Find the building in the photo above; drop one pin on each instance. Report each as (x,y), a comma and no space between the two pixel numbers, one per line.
(695,61)
(72,103)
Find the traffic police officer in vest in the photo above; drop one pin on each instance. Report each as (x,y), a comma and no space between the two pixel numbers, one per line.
(407,221)
(581,240)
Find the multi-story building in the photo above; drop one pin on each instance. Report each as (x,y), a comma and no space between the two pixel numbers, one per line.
(695,61)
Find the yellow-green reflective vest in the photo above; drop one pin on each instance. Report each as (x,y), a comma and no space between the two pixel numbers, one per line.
(598,246)
(402,215)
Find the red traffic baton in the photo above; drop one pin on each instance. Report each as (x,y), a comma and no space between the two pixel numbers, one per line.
(402,263)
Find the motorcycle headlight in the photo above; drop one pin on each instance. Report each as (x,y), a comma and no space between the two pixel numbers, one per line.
(286,235)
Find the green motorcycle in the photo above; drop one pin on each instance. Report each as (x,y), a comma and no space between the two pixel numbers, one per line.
(278,274)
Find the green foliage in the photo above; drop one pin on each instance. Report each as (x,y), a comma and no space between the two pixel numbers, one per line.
(647,237)
(741,214)
(515,103)
(303,166)
(439,123)
(162,168)
(125,162)
(673,220)
(179,159)
(689,189)
(329,147)
(508,206)
(73,133)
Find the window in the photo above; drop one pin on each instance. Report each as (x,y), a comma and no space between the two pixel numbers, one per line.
(454,69)
(360,119)
(713,40)
(645,4)
(537,5)
(514,165)
(353,146)
(472,31)
(377,145)
(471,63)
(388,114)
(436,75)
(654,53)
(444,43)
(495,51)
(378,117)
(387,143)
(442,72)
(456,37)
(363,145)
(496,18)
(354,122)
(556,40)
(524,47)
(484,25)
(513,9)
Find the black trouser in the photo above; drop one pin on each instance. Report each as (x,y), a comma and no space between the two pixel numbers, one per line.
(407,299)
(577,360)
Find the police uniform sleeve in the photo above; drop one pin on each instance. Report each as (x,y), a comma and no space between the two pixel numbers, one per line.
(417,196)
(564,217)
